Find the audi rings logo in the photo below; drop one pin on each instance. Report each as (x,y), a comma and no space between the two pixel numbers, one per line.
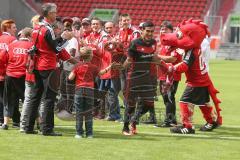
(20,51)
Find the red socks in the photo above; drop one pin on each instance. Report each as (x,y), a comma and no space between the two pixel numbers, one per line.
(207,113)
(186,114)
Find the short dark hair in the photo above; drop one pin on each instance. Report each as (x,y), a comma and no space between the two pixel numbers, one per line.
(97,19)
(147,24)
(124,15)
(167,24)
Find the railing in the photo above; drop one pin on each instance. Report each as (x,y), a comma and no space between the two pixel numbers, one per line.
(211,19)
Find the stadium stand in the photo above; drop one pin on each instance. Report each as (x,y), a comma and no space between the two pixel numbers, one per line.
(140,10)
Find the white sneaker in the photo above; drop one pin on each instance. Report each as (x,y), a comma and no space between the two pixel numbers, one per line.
(78,136)
(21,130)
(90,137)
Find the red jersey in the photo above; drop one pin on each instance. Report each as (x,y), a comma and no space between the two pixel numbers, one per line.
(17,58)
(63,55)
(93,41)
(97,55)
(93,38)
(197,75)
(166,51)
(127,35)
(85,73)
(85,35)
(109,57)
(47,47)
(141,54)
(5,40)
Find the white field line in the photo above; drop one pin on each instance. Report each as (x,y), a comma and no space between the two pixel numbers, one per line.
(169,134)
(141,125)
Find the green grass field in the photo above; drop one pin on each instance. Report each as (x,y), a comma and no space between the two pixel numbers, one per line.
(150,144)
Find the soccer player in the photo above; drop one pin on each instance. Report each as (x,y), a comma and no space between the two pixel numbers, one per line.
(139,85)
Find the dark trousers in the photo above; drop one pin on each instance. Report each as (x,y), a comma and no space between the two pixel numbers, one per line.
(113,86)
(44,88)
(1,101)
(67,90)
(13,91)
(140,109)
(84,101)
(130,116)
(99,100)
(169,101)
(140,104)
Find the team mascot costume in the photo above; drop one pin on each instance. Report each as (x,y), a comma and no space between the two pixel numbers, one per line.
(189,36)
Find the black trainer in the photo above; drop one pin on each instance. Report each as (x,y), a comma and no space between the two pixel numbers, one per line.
(209,127)
(166,124)
(51,134)
(182,130)
(126,130)
(31,132)
(149,122)
(15,125)
(4,127)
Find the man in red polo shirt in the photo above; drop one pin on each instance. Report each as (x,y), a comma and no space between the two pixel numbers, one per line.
(8,28)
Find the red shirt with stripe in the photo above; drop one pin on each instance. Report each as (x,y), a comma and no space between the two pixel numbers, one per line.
(141,54)
(47,54)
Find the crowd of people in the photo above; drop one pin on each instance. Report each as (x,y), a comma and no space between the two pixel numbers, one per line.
(77,68)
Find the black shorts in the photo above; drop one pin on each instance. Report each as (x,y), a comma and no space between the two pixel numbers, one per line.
(146,92)
(140,85)
(196,95)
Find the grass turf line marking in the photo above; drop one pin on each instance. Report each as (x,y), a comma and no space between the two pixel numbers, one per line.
(166,134)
